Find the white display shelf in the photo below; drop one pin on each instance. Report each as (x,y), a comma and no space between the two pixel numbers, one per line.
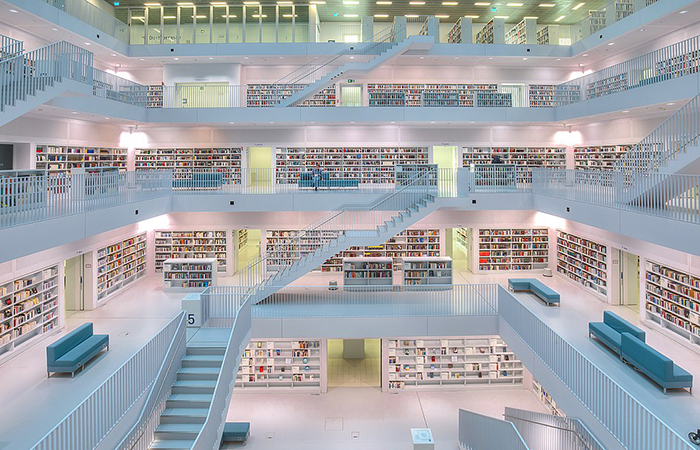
(189,274)
(375,165)
(428,95)
(269,95)
(607,86)
(449,361)
(63,159)
(517,34)
(554,157)
(512,249)
(368,272)
(672,300)
(22,190)
(191,244)
(454,36)
(242,239)
(599,157)
(283,363)
(485,35)
(463,237)
(29,307)
(542,96)
(120,264)
(282,248)
(583,261)
(427,271)
(186,161)
(546,399)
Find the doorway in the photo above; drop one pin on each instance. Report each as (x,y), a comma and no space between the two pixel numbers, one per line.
(445,156)
(203,95)
(350,95)
(517,92)
(248,243)
(458,247)
(260,166)
(77,282)
(629,279)
(354,363)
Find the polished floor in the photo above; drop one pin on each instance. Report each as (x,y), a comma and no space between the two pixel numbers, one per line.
(34,404)
(361,372)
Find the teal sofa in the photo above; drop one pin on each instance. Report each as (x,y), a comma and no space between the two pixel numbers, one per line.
(609,331)
(306,180)
(73,350)
(203,180)
(653,364)
(548,295)
(236,432)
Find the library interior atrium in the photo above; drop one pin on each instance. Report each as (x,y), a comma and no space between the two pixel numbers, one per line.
(349,224)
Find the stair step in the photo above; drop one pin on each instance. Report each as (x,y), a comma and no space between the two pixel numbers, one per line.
(205,350)
(189,401)
(206,360)
(198,373)
(194,387)
(177,431)
(184,415)
(172,444)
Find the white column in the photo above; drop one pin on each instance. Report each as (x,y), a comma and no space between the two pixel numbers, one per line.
(367,28)
(499,31)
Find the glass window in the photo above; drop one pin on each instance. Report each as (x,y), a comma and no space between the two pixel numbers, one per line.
(137,21)
(155,34)
(301,23)
(203,32)
(252,26)
(235,24)
(169,25)
(186,24)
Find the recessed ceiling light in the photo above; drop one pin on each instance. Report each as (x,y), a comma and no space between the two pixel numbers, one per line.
(106,118)
(456,57)
(547,5)
(151,4)
(176,59)
(500,17)
(558,59)
(393,121)
(670,104)
(450,3)
(281,57)
(585,54)
(683,12)
(350,2)
(642,29)
(379,16)
(218,3)
(14,11)
(245,57)
(625,111)
(611,43)
(171,17)
(114,54)
(384,3)
(411,16)
(185,4)
(491,57)
(524,59)
(74,112)
(442,16)
(416,3)
(352,57)
(560,18)
(422,57)
(230,123)
(54,29)
(482,4)
(432,121)
(87,43)
(578,6)
(211,57)
(230,16)
(140,59)
(472,17)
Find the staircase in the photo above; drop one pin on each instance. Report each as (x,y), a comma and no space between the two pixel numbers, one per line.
(648,169)
(31,79)
(191,395)
(320,74)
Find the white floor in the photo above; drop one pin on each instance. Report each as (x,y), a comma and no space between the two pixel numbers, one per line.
(383,421)
(33,404)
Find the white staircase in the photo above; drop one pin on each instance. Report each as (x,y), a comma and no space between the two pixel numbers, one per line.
(191,395)
(31,79)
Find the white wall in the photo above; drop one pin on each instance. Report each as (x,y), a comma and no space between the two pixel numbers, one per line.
(201,73)
(31,41)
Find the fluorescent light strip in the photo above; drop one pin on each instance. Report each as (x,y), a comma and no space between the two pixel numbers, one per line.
(514,5)
(442,16)
(547,5)
(384,3)
(169,17)
(482,4)
(230,16)
(560,18)
(472,17)
(416,3)
(381,16)
(578,6)
(411,16)
(151,4)
(450,3)
(350,2)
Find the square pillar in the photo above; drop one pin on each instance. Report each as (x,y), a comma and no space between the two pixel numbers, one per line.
(367,29)
(499,31)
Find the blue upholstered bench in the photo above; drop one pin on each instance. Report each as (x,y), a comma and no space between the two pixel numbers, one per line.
(203,180)
(236,432)
(653,364)
(73,350)
(548,295)
(610,329)
(306,180)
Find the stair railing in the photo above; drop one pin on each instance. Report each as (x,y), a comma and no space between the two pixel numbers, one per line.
(323,65)
(10,47)
(355,220)
(665,143)
(23,75)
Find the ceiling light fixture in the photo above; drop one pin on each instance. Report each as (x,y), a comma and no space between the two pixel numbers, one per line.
(578,6)
(416,3)
(500,17)
(482,4)
(683,12)
(169,17)
(560,18)
(185,4)
(585,54)
(411,16)
(218,3)
(611,43)
(472,17)
(14,11)
(318,2)
(450,3)
(547,5)
(514,5)
(152,4)
(442,16)
(114,54)
(230,16)
(350,2)
(384,3)
(625,111)
(381,16)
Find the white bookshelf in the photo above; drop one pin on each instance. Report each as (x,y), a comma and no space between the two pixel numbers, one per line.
(120,264)
(429,271)
(432,95)
(485,35)
(599,157)
(282,247)
(512,249)
(186,161)
(283,363)
(368,272)
(541,96)
(269,95)
(462,237)
(29,307)
(448,362)
(546,399)
(188,274)
(63,159)
(374,165)
(554,157)
(242,239)
(672,300)
(583,261)
(191,244)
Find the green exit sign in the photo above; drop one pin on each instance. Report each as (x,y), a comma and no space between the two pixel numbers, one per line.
(351,80)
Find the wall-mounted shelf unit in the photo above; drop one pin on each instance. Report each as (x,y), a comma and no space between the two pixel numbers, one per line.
(566,94)
(191,245)
(599,157)
(607,86)
(554,157)
(189,274)
(29,307)
(485,35)
(583,261)
(155,96)
(367,272)
(672,300)
(120,264)
(428,95)
(282,247)
(546,399)
(63,159)
(494,100)
(269,95)
(542,96)
(376,165)
(462,237)
(22,190)
(283,363)
(548,35)
(423,174)
(429,271)
(678,66)
(449,361)
(186,161)
(454,36)
(506,249)
(242,239)
(524,32)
